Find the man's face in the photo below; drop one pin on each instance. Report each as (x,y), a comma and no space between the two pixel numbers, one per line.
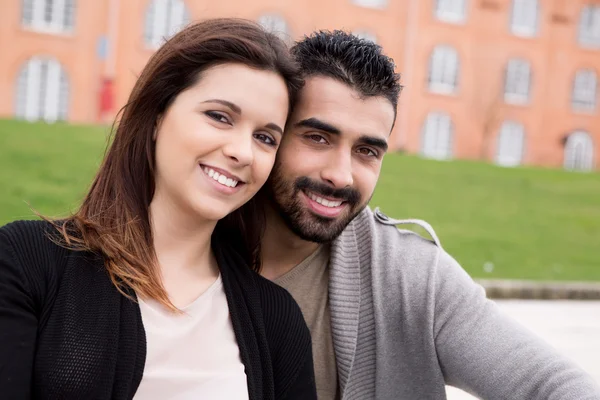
(329,158)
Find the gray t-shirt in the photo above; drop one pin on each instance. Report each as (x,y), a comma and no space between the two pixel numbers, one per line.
(307,283)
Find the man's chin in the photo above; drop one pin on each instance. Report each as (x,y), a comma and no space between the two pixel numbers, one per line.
(318,229)
(320,237)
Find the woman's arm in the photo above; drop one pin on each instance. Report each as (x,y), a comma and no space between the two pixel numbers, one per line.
(18,325)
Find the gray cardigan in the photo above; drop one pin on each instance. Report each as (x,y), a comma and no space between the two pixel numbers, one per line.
(407,319)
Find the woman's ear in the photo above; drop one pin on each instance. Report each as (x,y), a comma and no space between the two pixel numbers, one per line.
(156,127)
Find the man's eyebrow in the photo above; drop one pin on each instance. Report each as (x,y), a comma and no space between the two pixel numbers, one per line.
(319,125)
(236,109)
(374,141)
(316,123)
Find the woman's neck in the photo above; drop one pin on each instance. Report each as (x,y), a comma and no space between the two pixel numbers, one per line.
(182,243)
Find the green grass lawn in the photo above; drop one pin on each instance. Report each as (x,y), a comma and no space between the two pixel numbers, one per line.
(47,166)
(524,223)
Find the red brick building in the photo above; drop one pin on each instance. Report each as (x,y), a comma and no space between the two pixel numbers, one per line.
(509,81)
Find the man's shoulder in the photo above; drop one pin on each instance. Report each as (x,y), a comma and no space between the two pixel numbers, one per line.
(407,248)
(388,231)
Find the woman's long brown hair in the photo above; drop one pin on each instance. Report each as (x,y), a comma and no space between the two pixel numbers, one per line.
(113,219)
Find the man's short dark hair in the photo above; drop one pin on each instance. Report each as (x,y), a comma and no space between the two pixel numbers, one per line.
(357,62)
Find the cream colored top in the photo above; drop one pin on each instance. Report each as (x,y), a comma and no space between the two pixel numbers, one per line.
(192,356)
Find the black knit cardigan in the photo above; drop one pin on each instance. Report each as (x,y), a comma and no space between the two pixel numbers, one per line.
(67,333)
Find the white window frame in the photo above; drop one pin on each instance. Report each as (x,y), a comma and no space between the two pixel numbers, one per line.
(451,11)
(511,144)
(437,136)
(525,16)
(49,16)
(444,68)
(589,26)
(162,20)
(276,24)
(375,4)
(42,91)
(579,152)
(365,34)
(585,90)
(517,81)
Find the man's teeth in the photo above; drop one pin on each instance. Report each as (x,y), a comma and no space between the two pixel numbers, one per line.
(222,179)
(326,203)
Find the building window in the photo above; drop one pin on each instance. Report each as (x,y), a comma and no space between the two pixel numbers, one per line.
(42,91)
(164,18)
(371,3)
(437,136)
(363,34)
(585,86)
(453,11)
(443,70)
(579,152)
(589,26)
(510,144)
(52,16)
(276,24)
(524,18)
(517,82)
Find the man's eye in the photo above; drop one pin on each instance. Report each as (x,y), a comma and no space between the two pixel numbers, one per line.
(317,138)
(217,116)
(367,152)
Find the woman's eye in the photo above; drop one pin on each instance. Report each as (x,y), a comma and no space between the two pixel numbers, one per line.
(218,117)
(267,139)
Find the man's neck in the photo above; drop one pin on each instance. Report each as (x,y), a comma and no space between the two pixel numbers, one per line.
(281,248)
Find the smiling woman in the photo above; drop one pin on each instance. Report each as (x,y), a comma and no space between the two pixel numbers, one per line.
(147,291)
(228,123)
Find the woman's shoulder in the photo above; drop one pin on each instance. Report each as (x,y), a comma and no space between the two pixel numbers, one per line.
(289,342)
(275,297)
(24,235)
(26,248)
(23,229)
(281,313)
(29,237)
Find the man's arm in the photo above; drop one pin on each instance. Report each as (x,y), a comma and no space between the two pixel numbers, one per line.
(482,351)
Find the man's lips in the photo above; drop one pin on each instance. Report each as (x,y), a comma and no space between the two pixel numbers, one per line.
(325,207)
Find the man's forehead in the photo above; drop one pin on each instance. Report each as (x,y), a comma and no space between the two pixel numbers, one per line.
(337,104)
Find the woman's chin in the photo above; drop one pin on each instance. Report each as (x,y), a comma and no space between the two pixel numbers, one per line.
(214,212)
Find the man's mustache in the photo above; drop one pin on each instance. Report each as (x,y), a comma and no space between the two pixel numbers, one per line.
(349,195)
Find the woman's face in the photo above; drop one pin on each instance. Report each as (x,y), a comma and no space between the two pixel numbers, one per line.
(216,143)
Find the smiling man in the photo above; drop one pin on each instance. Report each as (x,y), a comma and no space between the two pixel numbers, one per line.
(392,315)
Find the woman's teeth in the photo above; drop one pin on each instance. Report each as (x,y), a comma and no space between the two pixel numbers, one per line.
(222,179)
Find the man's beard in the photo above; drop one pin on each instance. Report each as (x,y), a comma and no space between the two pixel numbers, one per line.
(285,197)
